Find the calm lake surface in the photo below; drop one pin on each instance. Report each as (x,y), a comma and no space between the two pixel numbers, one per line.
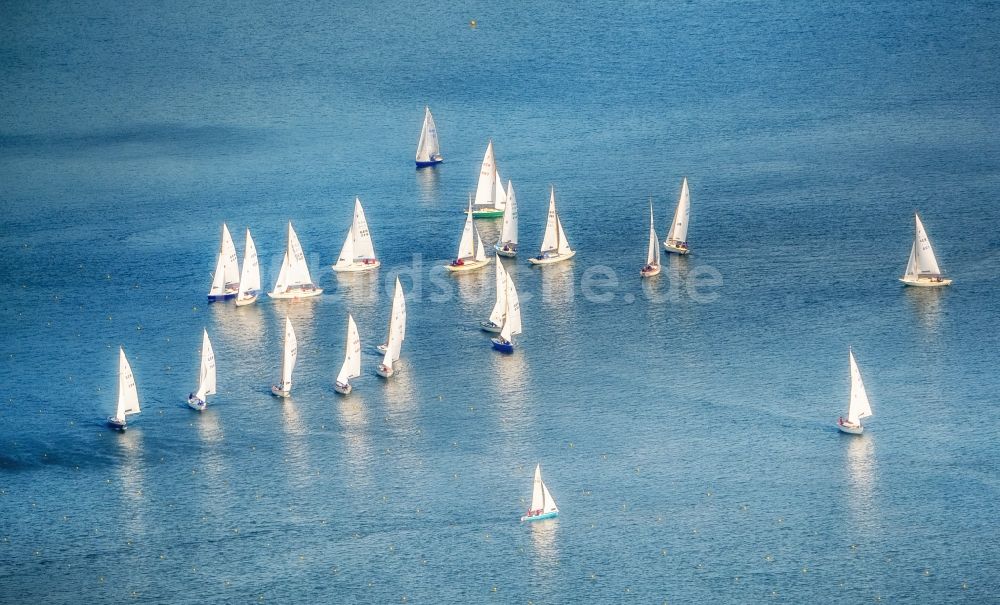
(684,424)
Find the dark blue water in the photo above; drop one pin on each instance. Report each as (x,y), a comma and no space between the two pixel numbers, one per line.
(684,425)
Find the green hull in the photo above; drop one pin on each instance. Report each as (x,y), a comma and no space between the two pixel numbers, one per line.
(490,213)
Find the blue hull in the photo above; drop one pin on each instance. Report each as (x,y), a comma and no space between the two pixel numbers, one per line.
(218,297)
(503,347)
(118,426)
(429,163)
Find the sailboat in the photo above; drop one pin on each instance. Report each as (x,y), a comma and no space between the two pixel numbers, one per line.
(428,147)
(206,375)
(249,287)
(555,248)
(490,196)
(294,280)
(677,237)
(398,304)
(859,407)
(225,280)
(922,269)
(289,354)
(471,254)
(543,505)
(128,396)
(495,322)
(507,245)
(653,253)
(358,252)
(511,321)
(397,331)
(352,359)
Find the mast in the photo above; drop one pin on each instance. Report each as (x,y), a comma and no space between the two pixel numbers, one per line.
(653,254)
(500,307)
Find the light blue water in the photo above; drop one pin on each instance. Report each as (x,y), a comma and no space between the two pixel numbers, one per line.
(685,429)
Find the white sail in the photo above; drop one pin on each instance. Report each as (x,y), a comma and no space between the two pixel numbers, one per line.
(358,245)
(352,356)
(537,495)
(512,321)
(397,327)
(428,147)
(911,265)
(489,190)
(653,254)
(466,247)
(290,354)
(227,268)
(250,277)
(500,197)
(859,406)
(926,261)
(480,250)
(550,241)
(563,246)
(128,396)
(294,270)
(206,374)
(508,233)
(500,307)
(542,501)
(679,228)
(548,502)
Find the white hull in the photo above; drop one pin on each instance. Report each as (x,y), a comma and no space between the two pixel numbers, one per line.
(357,267)
(925,282)
(382,348)
(343,389)
(278,392)
(553,258)
(197,404)
(383,371)
(850,429)
(118,425)
(242,302)
(675,249)
(654,270)
(510,253)
(296,293)
(468,265)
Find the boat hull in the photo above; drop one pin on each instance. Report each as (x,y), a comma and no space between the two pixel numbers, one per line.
(468,266)
(676,249)
(502,345)
(428,163)
(279,392)
(850,430)
(197,404)
(487,213)
(357,267)
(382,348)
(554,258)
(221,297)
(551,515)
(343,389)
(384,371)
(292,294)
(650,272)
(242,302)
(925,283)
(510,252)
(489,326)
(118,425)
